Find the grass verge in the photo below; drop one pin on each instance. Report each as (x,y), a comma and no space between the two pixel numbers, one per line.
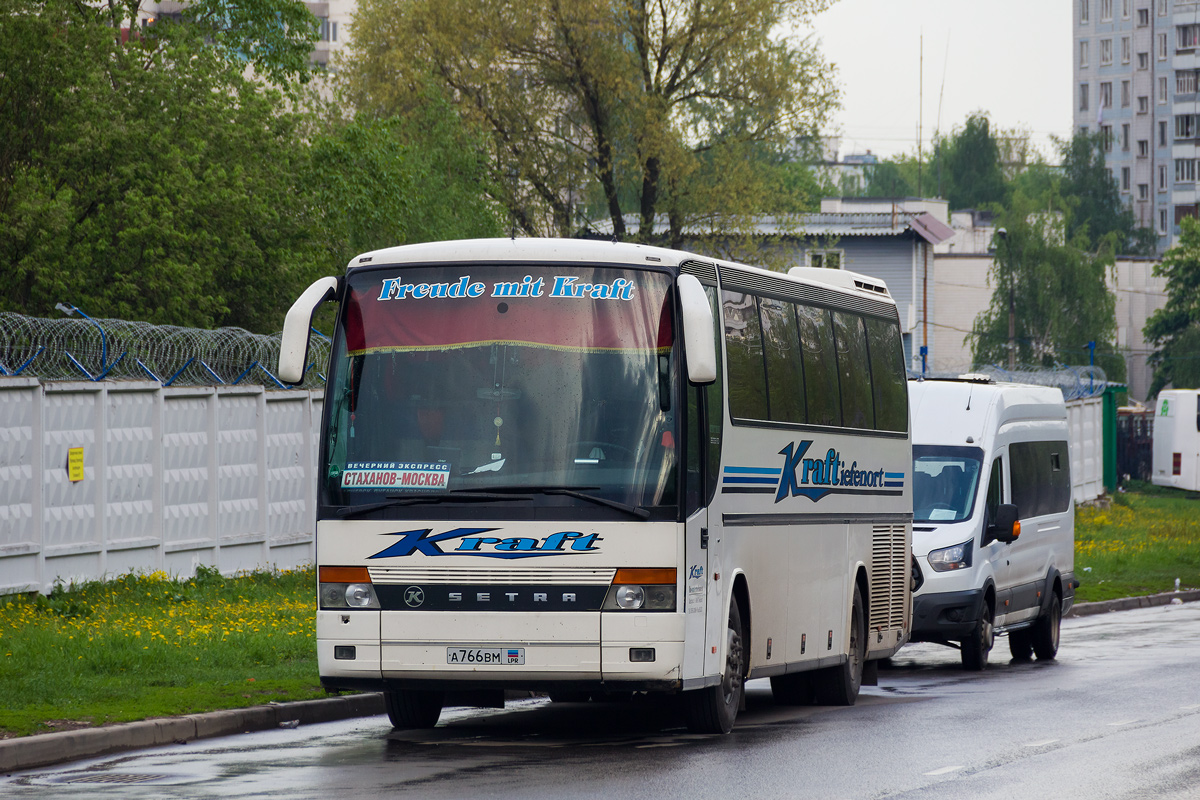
(1145,539)
(147,646)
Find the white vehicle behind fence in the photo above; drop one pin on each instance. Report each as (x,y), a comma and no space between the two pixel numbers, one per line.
(1175,457)
(591,469)
(993,516)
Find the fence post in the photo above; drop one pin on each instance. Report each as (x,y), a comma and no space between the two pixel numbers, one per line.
(1110,437)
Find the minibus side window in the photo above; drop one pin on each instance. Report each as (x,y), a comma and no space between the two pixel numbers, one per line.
(995,492)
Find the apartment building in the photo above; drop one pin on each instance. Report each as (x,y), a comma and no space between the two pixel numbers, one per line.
(1136,67)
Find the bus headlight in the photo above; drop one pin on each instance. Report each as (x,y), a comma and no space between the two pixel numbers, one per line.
(641,590)
(346,587)
(951,558)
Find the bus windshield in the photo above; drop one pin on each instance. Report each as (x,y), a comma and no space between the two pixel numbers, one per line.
(944,482)
(464,380)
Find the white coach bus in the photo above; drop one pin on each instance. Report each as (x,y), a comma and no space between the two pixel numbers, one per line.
(588,468)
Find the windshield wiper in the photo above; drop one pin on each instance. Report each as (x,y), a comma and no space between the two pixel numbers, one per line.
(580,493)
(453,495)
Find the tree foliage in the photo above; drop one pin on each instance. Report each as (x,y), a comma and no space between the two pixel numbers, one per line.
(1056,290)
(634,107)
(1174,329)
(1094,207)
(970,159)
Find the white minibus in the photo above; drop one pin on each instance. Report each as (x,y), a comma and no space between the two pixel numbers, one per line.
(993,516)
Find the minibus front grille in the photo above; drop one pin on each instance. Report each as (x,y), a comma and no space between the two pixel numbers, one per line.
(554,576)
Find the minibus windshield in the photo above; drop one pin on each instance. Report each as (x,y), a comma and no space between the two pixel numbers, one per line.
(945,480)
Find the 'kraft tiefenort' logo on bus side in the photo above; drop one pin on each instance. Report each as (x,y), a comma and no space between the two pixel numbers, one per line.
(813,478)
(472,543)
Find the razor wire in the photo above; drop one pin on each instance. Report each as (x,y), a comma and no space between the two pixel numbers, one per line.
(80,347)
(1076,382)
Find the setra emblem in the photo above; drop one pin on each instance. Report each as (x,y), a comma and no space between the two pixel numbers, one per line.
(414,596)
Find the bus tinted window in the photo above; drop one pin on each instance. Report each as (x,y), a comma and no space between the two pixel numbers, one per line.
(820,366)
(785,377)
(855,379)
(743,341)
(888,380)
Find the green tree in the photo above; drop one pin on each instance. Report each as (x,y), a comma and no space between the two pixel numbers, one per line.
(1094,207)
(147,180)
(1174,329)
(1053,291)
(970,161)
(655,109)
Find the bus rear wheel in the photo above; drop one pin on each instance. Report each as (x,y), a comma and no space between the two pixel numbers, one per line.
(838,686)
(412,708)
(714,708)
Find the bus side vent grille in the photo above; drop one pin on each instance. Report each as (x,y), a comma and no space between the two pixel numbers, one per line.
(889,576)
(704,271)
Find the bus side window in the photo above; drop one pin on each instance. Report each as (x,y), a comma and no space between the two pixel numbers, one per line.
(858,406)
(822,397)
(694,474)
(995,492)
(747,372)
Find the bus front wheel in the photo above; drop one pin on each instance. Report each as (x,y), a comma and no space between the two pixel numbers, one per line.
(714,708)
(412,708)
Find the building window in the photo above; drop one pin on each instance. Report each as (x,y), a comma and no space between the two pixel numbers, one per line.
(1125,49)
(1188,210)
(1083,53)
(1162,133)
(1083,11)
(1125,137)
(1107,137)
(1143,61)
(1162,47)
(1185,170)
(1143,148)
(1106,94)
(1143,191)
(1143,17)
(1162,7)
(1185,81)
(1105,52)
(1105,10)
(1162,221)
(1143,105)
(1162,90)
(827,259)
(1185,126)
(1124,179)
(1162,177)
(1124,94)
(1125,9)
(1083,97)
(1186,37)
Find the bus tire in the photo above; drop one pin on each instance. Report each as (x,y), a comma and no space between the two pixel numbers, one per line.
(1046,629)
(838,686)
(412,708)
(978,644)
(796,689)
(1020,644)
(714,708)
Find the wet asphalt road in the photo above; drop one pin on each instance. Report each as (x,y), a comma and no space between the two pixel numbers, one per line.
(1117,715)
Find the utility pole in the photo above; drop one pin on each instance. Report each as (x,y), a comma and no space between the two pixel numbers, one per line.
(1002,234)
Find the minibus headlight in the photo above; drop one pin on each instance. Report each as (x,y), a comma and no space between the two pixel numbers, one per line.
(951,558)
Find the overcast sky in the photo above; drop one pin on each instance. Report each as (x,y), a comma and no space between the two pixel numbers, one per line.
(1011,58)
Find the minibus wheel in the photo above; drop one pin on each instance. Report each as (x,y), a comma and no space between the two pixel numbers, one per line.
(714,708)
(1020,644)
(1046,629)
(412,708)
(977,644)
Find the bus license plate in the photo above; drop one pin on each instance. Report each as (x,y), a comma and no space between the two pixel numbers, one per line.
(485,655)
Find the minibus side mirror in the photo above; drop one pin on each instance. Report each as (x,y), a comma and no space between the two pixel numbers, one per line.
(699,347)
(1007,525)
(293,347)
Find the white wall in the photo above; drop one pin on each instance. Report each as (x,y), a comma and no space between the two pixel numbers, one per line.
(1085,419)
(172,478)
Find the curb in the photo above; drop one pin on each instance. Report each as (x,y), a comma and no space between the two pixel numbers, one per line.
(46,749)
(1128,603)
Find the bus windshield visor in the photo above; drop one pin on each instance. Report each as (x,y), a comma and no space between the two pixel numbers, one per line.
(468,378)
(944,482)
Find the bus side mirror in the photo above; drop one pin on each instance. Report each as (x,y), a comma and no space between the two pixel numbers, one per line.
(699,347)
(293,347)
(1006,527)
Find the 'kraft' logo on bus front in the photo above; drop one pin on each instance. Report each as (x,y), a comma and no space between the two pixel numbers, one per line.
(813,478)
(428,543)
